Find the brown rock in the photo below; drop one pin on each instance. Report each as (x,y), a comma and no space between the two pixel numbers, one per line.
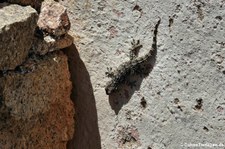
(49,44)
(17,25)
(35,106)
(53,18)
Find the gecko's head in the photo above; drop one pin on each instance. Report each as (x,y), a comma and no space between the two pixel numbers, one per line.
(110,88)
(108,91)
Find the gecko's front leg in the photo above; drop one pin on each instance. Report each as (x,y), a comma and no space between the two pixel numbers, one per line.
(109,72)
(134,50)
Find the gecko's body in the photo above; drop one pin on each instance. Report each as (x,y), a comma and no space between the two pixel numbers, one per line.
(134,66)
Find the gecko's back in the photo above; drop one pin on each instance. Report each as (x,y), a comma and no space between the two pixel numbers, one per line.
(134,66)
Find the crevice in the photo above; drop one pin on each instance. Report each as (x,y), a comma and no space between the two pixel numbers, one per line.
(86,135)
(28,65)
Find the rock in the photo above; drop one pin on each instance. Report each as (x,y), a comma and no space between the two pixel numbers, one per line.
(34,3)
(49,44)
(29,87)
(53,18)
(35,106)
(17,25)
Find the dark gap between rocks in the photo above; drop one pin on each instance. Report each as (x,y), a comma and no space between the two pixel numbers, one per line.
(86,135)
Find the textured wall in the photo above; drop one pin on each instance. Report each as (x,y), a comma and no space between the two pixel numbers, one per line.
(184,93)
(36,110)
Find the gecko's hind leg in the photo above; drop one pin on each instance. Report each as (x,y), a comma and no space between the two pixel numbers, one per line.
(134,50)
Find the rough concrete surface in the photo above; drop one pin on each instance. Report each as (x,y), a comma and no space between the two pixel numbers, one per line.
(17,25)
(181,103)
(35,106)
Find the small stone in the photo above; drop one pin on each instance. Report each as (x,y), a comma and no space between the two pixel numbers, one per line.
(53,19)
(49,44)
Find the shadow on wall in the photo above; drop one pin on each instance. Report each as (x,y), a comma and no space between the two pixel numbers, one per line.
(86,135)
(124,93)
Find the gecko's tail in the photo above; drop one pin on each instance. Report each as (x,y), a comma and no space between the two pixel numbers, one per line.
(154,43)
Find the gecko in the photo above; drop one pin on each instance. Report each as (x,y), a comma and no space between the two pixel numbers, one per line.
(134,66)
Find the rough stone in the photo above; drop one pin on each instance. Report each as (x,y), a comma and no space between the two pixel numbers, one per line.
(53,18)
(49,44)
(35,106)
(17,25)
(34,3)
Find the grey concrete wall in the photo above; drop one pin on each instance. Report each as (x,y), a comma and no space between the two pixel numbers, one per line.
(184,92)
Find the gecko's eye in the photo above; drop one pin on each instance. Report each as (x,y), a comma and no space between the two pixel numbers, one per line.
(108,91)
